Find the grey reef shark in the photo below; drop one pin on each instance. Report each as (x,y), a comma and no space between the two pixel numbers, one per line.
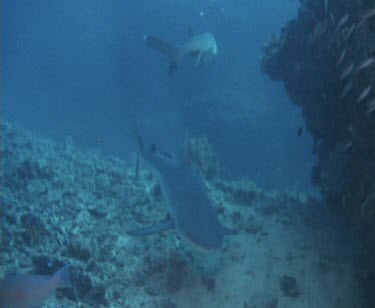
(203,47)
(190,212)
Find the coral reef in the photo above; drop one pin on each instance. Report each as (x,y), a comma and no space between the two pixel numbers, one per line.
(325,57)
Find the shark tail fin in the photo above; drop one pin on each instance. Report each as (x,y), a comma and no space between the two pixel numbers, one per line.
(173,52)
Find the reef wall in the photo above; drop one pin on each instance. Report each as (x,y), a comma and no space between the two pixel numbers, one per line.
(326,60)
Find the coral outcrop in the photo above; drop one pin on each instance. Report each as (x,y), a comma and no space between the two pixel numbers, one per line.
(325,58)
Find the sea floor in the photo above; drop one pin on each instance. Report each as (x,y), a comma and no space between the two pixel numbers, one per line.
(62,205)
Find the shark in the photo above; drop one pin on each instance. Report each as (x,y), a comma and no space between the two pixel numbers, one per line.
(203,47)
(189,209)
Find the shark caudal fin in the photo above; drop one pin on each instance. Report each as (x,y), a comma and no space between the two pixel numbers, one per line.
(173,52)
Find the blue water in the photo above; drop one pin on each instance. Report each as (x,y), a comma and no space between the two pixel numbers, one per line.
(82,69)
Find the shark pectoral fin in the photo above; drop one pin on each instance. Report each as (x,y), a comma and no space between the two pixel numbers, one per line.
(198,60)
(164,225)
(228,231)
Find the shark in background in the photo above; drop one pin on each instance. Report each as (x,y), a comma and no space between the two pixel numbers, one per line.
(203,47)
(190,211)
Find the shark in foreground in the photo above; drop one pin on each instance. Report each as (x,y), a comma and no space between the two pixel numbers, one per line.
(190,211)
(202,46)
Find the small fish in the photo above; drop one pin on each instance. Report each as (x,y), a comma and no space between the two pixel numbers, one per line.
(342,22)
(349,32)
(364,93)
(319,30)
(368,14)
(32,290)
(348,146)
(346,90)
(347,71)
(332,19)
(326,6)
(371,107)
(299,132)
(365,64)
(342,55)
(350,129)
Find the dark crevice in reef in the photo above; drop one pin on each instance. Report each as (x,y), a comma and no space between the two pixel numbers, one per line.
(326,60)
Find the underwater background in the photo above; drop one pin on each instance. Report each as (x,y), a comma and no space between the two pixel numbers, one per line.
(278,129)
(82,69)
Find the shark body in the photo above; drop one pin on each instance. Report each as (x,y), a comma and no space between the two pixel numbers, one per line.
(202,46)
(190,211)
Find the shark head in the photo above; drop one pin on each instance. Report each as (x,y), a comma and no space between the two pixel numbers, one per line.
(211,43)
(205,236)
(203,46)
